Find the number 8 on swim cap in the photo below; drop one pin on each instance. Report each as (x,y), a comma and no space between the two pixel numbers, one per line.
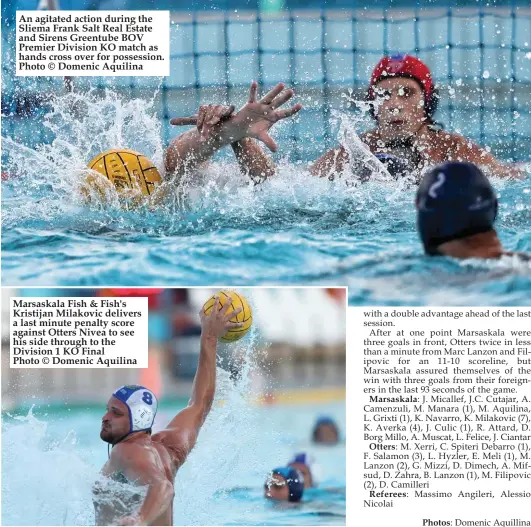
(142,405)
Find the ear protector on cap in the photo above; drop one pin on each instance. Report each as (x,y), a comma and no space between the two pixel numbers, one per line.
(404,65)
(141,404)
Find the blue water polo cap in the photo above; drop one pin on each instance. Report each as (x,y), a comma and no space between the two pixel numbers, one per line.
(142,405)
(454,200)
(325,420)
(294,480)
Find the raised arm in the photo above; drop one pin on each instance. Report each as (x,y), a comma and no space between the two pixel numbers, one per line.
(192,148)
(253,161)
(181,433)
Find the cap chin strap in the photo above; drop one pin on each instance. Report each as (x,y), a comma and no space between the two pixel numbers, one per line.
(122,438)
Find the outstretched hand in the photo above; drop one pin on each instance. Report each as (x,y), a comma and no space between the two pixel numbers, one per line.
(253,120)
(256,118)
(217,322)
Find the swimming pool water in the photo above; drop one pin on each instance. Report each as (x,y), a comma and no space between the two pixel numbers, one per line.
(49,463)
(293,229)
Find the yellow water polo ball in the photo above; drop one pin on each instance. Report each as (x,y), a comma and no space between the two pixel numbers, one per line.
(127,170)
(245,316)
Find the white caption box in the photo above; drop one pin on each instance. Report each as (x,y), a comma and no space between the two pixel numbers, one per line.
(93,43)
(81,332)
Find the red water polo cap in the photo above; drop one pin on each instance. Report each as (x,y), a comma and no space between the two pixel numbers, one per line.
(403,66)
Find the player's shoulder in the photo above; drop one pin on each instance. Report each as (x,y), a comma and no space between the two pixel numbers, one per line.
(443,136)
(455,141)
(453,146)
(174,443)
(126,450)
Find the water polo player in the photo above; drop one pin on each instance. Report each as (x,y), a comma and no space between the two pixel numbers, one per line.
(456,210)
(284,484)
(152,460)
(302,463)
(325,431)
(218,126)
(403,101)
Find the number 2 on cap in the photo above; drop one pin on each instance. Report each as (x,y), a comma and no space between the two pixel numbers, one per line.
(441,178)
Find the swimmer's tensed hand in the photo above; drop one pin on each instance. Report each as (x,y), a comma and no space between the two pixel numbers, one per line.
(253,120)
(217,322)
(207,117)
(256,118)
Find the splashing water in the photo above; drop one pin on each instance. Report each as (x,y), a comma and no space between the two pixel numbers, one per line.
(293,229)
(220,461)
(83,125)
(50,464)
(55,472)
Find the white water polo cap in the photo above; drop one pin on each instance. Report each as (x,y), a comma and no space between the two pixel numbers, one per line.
(142,405)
